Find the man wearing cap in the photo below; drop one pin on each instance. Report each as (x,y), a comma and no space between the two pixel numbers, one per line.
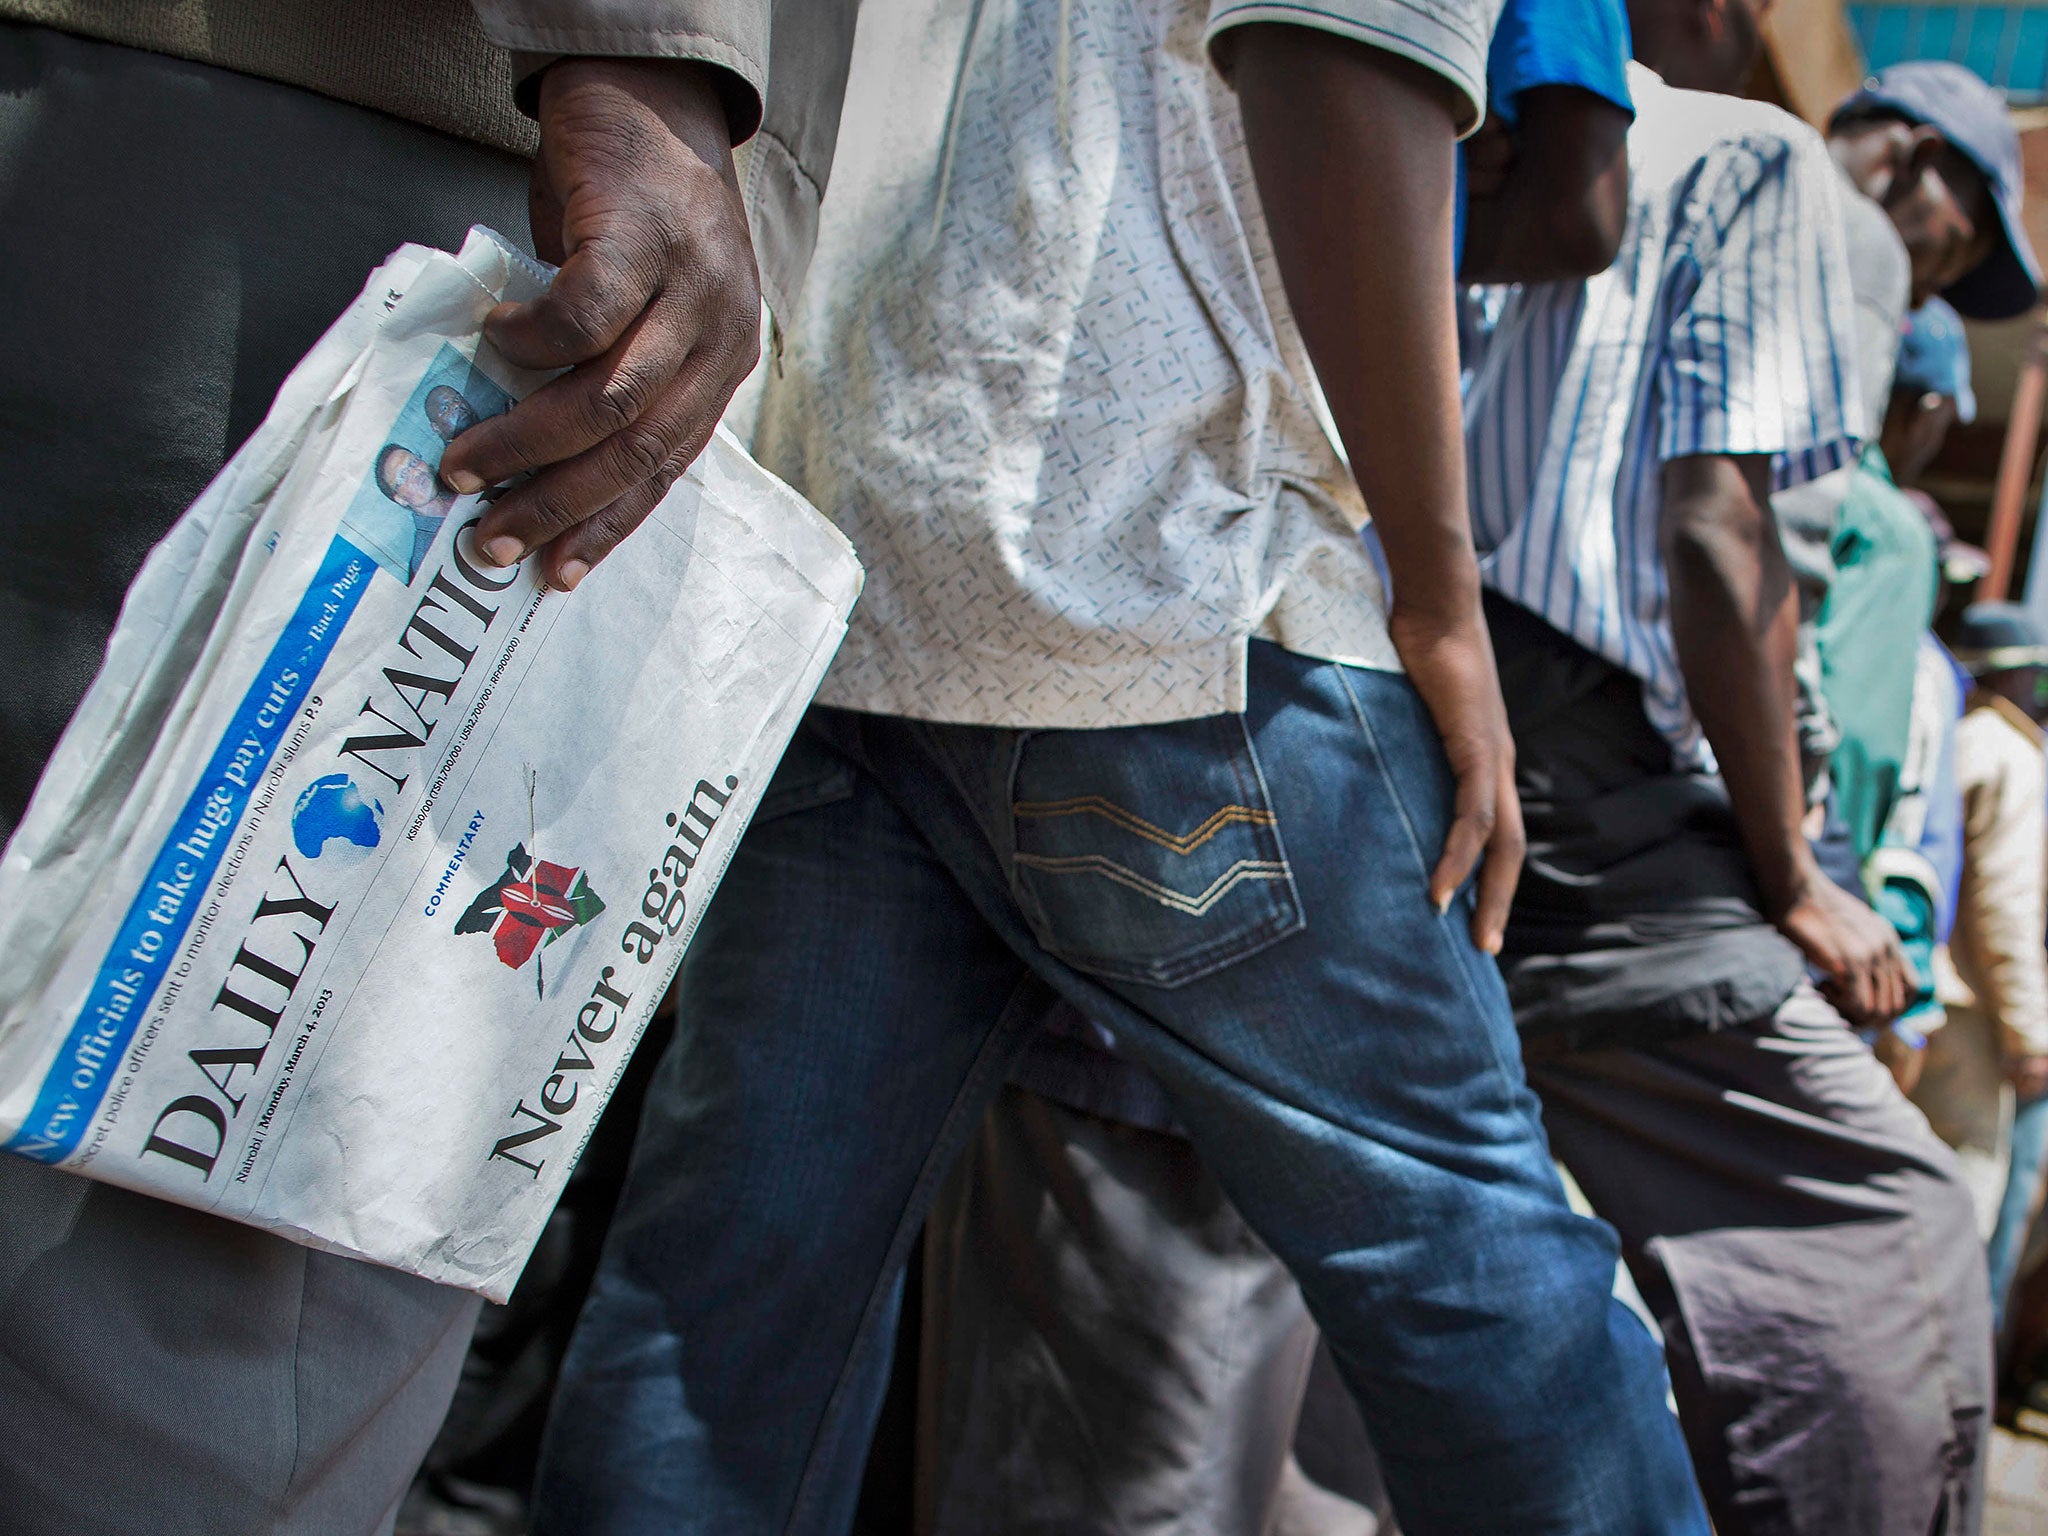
(1933,146)
(1931,166)
(1934,231)
(1994,1050)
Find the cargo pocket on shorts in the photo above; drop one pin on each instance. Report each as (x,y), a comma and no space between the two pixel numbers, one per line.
(1151,853)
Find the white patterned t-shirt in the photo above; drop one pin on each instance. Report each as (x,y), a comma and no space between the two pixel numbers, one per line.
(1044,375)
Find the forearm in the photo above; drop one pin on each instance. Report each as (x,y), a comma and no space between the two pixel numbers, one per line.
(1375,310)
(1352,151)
(1562,205)
(1734,621)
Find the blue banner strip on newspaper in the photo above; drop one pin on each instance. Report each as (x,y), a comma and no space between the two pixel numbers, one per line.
(150,937)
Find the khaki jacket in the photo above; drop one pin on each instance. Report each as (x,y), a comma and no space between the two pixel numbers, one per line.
(457,66)
(2000,945)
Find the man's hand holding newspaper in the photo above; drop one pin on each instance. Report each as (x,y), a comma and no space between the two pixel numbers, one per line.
(655,312)
(346,895)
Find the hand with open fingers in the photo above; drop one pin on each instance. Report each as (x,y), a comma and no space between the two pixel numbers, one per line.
(655,313)
(1450,661)
(1866,974)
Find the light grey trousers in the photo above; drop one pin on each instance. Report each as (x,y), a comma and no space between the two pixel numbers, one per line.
(166,1373)
(173,239)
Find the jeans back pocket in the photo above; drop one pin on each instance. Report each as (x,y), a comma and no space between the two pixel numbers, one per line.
(1149,853)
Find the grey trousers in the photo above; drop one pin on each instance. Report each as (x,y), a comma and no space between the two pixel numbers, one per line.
(172,239)
(1809,1250)
(1107,1348)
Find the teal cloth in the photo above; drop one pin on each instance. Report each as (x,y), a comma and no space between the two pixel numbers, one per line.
(1879,604)
(1909,907)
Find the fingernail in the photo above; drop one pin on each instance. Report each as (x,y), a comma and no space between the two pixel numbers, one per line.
(1443,905)
(463,482)
(1492,944)
(503,550)
(572,571)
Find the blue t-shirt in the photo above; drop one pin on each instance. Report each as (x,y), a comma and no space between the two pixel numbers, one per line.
(1559,42)
(1583,43)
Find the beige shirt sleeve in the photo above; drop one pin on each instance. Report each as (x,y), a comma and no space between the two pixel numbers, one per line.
(732,34)
(2002,910)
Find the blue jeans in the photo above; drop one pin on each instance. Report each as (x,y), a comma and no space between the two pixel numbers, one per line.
(1242,899)
(2027,1165)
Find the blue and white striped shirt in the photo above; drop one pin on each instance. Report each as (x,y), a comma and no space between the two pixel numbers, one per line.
(1725,326)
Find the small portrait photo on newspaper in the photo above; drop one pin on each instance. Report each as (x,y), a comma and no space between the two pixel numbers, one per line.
(397,514)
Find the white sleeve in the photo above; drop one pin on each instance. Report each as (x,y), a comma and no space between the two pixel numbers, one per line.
(1447,37)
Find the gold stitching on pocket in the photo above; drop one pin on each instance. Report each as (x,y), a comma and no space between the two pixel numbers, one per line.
(1165,895)
(1109,810)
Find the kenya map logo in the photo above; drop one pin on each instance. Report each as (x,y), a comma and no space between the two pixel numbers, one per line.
(532,904)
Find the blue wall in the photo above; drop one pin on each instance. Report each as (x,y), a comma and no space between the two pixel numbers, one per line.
(2006,44)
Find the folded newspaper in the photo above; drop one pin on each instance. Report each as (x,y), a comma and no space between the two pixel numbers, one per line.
(356,878)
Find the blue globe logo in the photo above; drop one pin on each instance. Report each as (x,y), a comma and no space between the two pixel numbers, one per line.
(332,807)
